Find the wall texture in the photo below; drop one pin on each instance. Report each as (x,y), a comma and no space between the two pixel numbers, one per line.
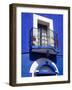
(27,57)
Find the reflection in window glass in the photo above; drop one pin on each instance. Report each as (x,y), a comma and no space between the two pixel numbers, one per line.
(42,36)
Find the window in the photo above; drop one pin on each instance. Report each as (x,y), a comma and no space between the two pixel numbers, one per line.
(42,36)
(42,31)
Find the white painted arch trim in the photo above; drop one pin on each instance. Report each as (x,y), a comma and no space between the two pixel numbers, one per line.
(36,63)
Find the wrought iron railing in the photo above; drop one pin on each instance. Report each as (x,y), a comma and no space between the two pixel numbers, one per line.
(50,38)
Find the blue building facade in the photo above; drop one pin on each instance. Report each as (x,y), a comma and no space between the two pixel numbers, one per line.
(27,56)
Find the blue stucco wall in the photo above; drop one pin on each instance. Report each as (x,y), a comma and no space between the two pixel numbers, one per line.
(27,24)
(27,57)
(26,64)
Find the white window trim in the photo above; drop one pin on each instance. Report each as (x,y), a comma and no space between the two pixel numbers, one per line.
(36,19)
(41,18)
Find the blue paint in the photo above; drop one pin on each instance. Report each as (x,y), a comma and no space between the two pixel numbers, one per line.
(59,64)
(26,64)
(27,57)
(26,27)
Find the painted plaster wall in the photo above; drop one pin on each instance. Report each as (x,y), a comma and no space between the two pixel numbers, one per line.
(27,58)
(26,27)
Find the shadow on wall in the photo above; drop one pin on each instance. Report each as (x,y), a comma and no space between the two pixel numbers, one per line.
(35,56)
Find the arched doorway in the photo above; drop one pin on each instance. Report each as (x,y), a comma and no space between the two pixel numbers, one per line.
(43,67)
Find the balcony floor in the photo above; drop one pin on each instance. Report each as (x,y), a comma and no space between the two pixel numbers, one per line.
(44,49)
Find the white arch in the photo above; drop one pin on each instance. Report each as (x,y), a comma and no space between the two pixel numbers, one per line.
(38,62)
